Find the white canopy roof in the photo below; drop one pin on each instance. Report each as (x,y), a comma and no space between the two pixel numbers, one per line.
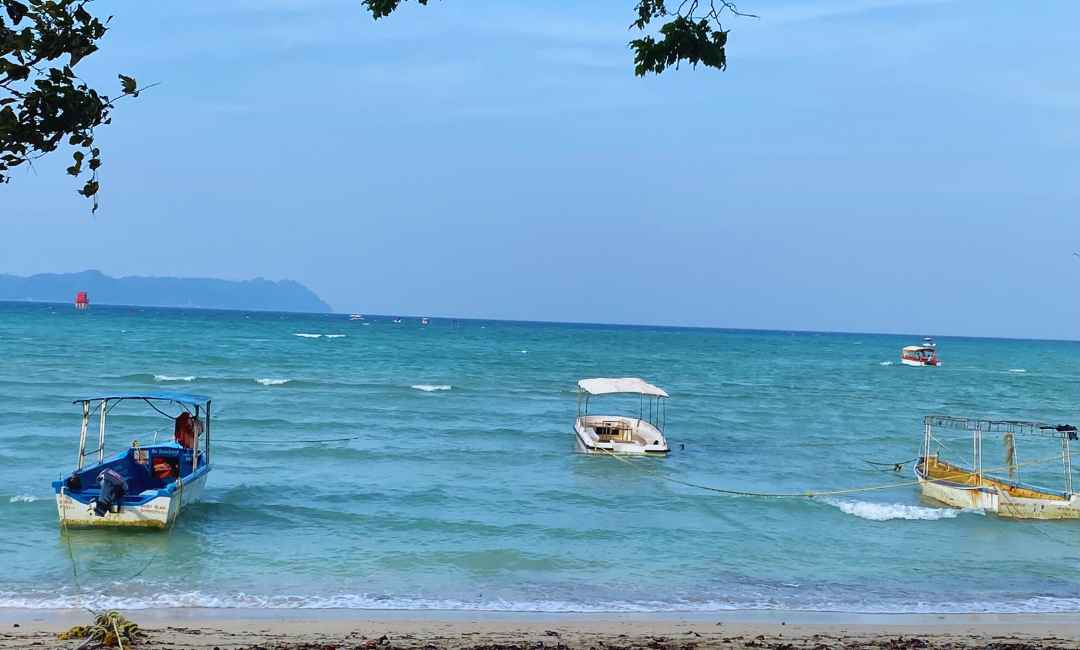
(608,385)
(918,348)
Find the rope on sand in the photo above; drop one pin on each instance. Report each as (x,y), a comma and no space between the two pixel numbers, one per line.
(109,630)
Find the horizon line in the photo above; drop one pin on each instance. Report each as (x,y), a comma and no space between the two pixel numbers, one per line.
(714,328)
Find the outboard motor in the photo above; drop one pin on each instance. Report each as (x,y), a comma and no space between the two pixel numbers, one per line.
(113,487)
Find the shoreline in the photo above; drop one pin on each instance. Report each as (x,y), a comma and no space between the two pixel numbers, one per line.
(204,629)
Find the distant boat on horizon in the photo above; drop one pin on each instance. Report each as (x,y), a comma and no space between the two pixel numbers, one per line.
(356,317)
(921,355)
(424,320)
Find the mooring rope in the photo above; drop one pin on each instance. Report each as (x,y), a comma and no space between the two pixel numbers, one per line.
(896,467)
(262,441)
(808,494)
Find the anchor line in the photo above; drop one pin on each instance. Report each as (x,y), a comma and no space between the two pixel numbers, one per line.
(145,566)
(896,467)
(808,494)
(257,441)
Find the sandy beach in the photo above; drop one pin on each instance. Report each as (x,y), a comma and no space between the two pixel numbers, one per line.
(298,629)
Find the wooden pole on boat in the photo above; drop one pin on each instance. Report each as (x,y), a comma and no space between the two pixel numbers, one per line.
(207,432)
(81,460)
(101,431)
(1010,454)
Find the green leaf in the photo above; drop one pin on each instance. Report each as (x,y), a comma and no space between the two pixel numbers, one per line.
(128,84)
(90,189)
(15,10)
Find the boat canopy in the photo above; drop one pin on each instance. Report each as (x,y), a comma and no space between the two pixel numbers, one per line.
(918,348)
(167,396)
(609,386)
(1064,431)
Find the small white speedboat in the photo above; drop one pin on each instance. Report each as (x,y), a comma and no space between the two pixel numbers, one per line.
(621,434)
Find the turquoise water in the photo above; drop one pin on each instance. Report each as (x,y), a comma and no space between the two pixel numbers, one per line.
(462,491)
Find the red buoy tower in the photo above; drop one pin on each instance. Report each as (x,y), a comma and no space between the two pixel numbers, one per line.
(81,301)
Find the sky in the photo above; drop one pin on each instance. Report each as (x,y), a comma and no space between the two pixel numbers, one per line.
(863,165)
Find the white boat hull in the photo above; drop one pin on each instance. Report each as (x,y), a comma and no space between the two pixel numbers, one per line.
(913,362)
(159,512)
(586,440)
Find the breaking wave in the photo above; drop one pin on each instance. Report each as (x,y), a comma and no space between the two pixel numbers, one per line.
(888,511)
(122,598)
(270,381)
(430,388)
(310,335)
(1018,370)
(174,378)
(23,498)
(885,363)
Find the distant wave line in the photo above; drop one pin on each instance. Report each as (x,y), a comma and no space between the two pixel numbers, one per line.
(430,388)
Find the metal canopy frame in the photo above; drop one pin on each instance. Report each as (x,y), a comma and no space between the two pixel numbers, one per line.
(656,414)
(106,404)
(977,427)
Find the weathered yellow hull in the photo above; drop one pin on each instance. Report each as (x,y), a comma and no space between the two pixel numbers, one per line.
(961,488)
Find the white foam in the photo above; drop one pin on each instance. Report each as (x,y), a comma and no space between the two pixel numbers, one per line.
(885,363)
(268,381)
(888,511)
(22,498)
(429,388)
(1018,370)
(307,336)
(174,378)
(337,336)
(121,598)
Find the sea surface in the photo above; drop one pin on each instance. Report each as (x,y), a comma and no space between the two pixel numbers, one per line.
(459,488)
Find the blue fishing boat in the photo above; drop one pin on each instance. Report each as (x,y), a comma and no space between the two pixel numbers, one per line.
(146,485)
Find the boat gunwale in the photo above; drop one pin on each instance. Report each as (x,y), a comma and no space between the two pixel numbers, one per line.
(992,489)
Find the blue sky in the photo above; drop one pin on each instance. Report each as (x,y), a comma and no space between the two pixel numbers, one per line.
(871,165)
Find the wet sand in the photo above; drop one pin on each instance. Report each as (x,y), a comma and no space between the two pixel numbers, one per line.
(206,629)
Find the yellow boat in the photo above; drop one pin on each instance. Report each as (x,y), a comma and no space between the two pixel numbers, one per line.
(984,488)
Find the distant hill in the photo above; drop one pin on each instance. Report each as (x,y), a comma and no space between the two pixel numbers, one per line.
(252,295)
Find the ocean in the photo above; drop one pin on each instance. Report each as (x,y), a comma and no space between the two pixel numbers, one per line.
(458,487)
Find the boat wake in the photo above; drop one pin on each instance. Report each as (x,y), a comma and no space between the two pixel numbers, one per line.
(430,388)
(888,511)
